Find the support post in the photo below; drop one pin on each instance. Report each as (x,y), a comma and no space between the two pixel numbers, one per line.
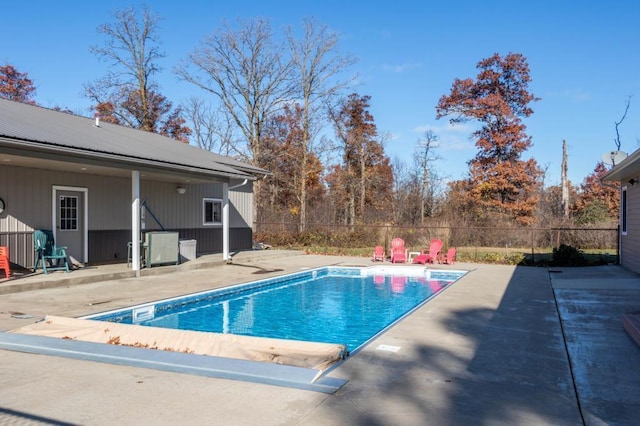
(135,220)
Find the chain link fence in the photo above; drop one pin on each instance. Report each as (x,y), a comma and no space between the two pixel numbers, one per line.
(532,242)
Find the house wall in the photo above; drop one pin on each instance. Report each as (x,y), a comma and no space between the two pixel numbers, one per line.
(630,243)
(27,193)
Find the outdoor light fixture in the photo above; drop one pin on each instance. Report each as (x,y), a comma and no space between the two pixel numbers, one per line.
(181,189)
(632,181)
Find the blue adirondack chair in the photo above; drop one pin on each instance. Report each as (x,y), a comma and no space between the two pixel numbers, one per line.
(46,251)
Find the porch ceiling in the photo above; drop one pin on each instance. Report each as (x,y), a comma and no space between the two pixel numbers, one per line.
(93,168)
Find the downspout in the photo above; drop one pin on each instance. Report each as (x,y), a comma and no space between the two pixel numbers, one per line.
(225,223)
(244,182)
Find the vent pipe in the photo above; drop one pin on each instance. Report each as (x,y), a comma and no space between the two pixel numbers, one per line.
(97,116)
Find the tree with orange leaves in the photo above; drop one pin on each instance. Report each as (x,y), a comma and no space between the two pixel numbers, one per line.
(500,183)
(16,85)
(361,187)
(296,178)
(596,202)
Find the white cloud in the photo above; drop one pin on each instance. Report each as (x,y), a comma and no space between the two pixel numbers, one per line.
(573,95)
(401,67)
(450,137)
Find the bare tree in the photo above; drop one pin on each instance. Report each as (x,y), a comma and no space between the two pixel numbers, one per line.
(626,110)
(128,95)
(246,71)
(565,181)
(425,158)
(213,129)
(132,48)
(316,64)
(402,181)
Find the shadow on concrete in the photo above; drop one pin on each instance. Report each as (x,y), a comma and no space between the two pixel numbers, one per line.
(259,269)
(497,358)
(13,417)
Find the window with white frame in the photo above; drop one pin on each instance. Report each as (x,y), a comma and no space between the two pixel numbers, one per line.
(623,211)
(212,211)
(68,213)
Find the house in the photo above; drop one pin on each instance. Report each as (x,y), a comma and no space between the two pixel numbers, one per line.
(626,175)
(98,186)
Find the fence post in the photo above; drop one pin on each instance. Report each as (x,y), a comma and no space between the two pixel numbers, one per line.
(386,238)
(533,252)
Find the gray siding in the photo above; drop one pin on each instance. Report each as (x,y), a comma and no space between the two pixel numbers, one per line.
(111,246)
(27,193)
(241,206)
(174,210)
(630,243)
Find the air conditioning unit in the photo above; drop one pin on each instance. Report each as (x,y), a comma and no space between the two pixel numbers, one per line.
(161,248)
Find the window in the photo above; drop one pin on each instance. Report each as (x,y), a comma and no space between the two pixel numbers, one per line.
(212,211)
(68,213)
(623,211)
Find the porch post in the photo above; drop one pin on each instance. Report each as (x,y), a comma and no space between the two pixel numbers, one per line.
(135,220)
(225,222)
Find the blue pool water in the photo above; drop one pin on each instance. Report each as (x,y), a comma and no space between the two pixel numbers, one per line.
(347,306)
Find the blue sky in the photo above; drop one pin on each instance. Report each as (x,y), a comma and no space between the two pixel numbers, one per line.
(584,60)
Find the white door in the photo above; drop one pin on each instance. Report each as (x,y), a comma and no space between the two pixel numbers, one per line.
(69,214)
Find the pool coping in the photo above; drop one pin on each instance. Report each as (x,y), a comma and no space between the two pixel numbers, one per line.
(201,365)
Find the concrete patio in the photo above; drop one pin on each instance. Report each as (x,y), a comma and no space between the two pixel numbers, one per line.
(504,345)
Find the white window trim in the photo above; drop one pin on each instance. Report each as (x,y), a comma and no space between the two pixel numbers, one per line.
(77,219)
(204,206)
(624,210)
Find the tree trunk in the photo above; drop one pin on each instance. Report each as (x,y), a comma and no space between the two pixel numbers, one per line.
(363,182)
(564,181)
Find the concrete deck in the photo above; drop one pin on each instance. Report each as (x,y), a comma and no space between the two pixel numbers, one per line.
(504,345)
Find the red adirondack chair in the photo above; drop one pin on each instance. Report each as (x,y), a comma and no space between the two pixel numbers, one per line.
(4,261)
(450,257)
(432,255)
(398,252)
(378,254)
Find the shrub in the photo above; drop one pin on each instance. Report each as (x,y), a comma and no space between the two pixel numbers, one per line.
(568,256)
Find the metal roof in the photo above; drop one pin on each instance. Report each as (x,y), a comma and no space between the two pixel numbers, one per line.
(34,130)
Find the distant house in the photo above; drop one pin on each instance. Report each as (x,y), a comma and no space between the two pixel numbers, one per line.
(626,175)
(87,180)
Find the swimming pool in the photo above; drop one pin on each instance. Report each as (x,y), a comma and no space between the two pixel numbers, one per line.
(342,305)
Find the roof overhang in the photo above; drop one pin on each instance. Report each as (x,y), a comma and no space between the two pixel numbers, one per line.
(628,168)
(52,156)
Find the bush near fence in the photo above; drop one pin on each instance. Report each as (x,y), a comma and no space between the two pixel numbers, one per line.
(506,245)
